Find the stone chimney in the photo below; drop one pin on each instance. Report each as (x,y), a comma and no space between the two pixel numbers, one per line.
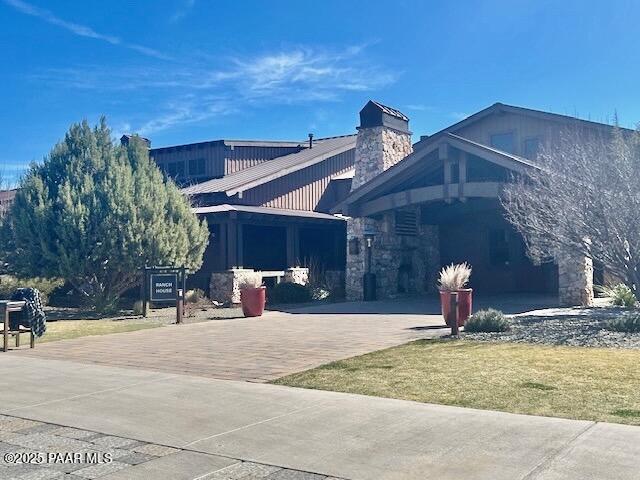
(383,140)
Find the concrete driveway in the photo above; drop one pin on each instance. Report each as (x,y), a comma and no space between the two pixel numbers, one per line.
(276,344)
(216,424)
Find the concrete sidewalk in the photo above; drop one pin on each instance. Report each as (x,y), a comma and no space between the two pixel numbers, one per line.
(333,434)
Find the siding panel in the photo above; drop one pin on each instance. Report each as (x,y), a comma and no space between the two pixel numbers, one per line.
(301,190)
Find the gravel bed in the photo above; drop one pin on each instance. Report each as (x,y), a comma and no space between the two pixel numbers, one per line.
(584,327)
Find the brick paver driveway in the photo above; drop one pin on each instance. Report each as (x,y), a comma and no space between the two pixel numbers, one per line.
(253,349)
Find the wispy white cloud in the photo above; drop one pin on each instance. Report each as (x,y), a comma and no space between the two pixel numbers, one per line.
(197,92)
(184,9)
(79,29)
(187,111)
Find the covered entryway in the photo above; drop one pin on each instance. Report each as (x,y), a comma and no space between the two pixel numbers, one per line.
(269,239)
(476,232)
(441,205)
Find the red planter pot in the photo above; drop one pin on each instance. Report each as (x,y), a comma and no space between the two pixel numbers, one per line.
(465,306)
(253,301)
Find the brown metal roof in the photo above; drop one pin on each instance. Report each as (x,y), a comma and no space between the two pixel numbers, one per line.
(276,168)
(266,211)
(232,143)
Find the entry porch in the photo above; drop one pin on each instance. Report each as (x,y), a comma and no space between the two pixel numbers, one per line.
(441,205)
(269,240)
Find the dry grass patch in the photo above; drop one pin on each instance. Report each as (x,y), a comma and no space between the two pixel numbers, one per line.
(65,329)
(571,382)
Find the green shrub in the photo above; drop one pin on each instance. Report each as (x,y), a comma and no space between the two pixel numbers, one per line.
(489,320)
(620,294)
(289,293)
(625,323)
(65,296)
(10,283)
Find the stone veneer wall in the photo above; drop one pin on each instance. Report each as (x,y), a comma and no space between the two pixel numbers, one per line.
(377,149)
(355,266)
(397,260)
(575,280)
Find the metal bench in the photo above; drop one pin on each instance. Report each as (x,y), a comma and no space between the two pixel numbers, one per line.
(6,307)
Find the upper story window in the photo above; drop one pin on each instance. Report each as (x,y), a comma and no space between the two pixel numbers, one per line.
(196,166)
(504,142)
(530,147)
(175,169)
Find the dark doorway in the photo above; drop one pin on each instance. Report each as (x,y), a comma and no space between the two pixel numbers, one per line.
(497,254)
(264,248)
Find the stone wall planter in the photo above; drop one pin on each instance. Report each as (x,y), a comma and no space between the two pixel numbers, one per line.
(465,305)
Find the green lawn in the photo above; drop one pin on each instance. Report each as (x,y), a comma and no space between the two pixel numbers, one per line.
(571,382)
(64,329)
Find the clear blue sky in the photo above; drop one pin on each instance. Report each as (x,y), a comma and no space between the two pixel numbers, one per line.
(180,71)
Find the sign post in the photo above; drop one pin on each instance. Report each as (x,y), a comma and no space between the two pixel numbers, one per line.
(164,285)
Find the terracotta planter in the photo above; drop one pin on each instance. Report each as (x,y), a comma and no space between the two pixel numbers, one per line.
(465,306)
(253,301)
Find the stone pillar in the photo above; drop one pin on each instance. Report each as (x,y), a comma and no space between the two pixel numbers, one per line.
(225,286)
(383,140)
(575,280)
(299,275)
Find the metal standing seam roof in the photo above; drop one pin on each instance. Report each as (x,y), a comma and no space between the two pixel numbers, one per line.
(265,210)
(391,111)
(231,143)
(272,169)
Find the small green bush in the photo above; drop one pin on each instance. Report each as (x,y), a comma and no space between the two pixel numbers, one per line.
(489,320)
(621,295)
(625,323)
(10,283)
(65,296)
(289,293)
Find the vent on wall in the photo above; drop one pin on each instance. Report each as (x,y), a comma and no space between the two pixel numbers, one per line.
(406,223)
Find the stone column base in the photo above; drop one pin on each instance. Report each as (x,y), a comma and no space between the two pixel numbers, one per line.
(575,281)
(297,275)
(225,286)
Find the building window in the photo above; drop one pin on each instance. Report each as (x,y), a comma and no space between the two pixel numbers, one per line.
(530,147)
(498,247)
(175,169)
(503,141)
(196,166)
